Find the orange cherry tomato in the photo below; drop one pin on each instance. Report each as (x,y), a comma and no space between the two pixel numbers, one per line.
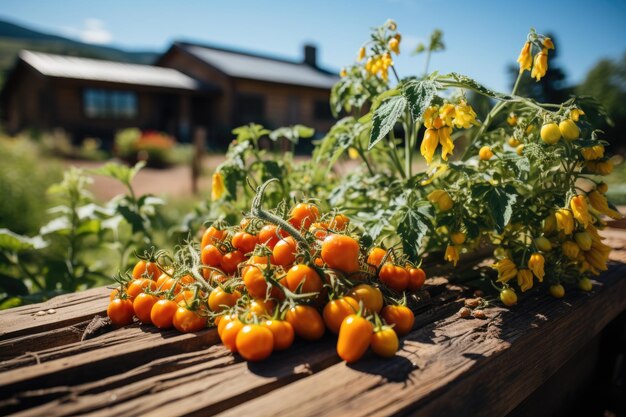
(417,276)
(162,313)
(187,321)
(341,252)
(114,294)
(184,297)
(401,317)
(220,299)
(269,235)
(224,320)
(335,311)
(231,261)
(306,321)
(245,242)
(257,286)
(282,331)
(339,222)
(229,334)
(138,286)
(303,215)
(162,278)
(211,256)
(355,335)
(254,342)
(145,269)
(385,342)
(371,297)
(285,251)
(375,257)
(394,277)
(306,276)
(212,235)
(121,312)
(143,306)
(261,307)
(169,283)
(319,230)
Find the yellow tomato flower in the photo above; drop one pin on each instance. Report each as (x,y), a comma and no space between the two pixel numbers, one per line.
(593,152)
(564,221)
(570,249)
(579,207)
(599,167)
(452,254)
(442,199)
(575,114)
(506,270)
(485,153)
(525,58)
(429,145)
(394,45)
(599,203)
(343,73)
(549,223)
(547,43)
(525,279)
(583,240)
(536,264)
(217,186)
(447,112)
(361,54)
(429,116)
(445,140)
(464,116)
(602,187)
(541,65)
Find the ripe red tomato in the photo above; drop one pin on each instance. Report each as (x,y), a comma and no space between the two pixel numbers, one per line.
(355,335)
(145,269)
(245,242)
(254,342)
(231,261)
(143,306)
(335,311)
(285,251)
(417,276)
(306,276)
(187,321)
(306,322)
(303,214)
(394,277)
(220,299)
(162,313)
(341,252)
(212,235)
(282,331)
(121,312)
(385,342)
(401,317)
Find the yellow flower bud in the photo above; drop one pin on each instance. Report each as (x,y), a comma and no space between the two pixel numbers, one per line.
(599,167)
(575,114)
(536,264)
(217,186)
(570,249)
(452,254)
(583,240)
(541,65)
(525,58)
(394,45)
(543,244)
(550,133)
(343,73)
(361,54)
(442,199)
(593,152)
(549,223)
(569,130)
(579,207)
(599,202)
(429,144)
(353,153)
(458,238)
(564,221)
(524,279)
(445,140)
(485,153)
(547,43)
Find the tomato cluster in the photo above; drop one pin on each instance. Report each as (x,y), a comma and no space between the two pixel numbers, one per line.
(273,278)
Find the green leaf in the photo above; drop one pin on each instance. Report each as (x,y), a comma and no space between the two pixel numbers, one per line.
(12,242)
(472,84)
(60,225)
(500,202)
(134,219)
(419,95)
(120,172)
(385,118)
(91,226)
(412,228)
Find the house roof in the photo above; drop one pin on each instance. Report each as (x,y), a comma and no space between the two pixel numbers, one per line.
(257,67)
(62,66)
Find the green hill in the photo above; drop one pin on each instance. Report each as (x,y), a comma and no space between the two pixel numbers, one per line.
(14,38)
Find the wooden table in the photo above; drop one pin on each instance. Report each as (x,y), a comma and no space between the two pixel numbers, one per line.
(446,366)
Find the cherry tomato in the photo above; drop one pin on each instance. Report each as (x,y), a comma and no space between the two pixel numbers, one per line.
(114,294)
(339,222)
(400,316)
(319,230)
(371,297)
(269,235)
(508,297)
(224,320)
(162,278)
(303,215)
(211,256)
(557,291)
(335,311)
(121,312)
(257,286)
(255,342)
(231,261)
(394,277)
(282,331)
(162,313)
(138,286)
(417,277)
(169,283)
(355,335)
(385,342)
(229,334)
(585,284)
(341,252)
(219,299)
(143,306)
(285,251)
(186,321)
(261,307)
(305,276)
(375,257)
(212,235)
(306,321)
(145,269)
(244,242)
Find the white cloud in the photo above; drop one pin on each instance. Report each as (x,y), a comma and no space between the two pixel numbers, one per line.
(93,31)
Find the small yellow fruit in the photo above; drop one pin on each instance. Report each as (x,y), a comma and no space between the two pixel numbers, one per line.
(550,133)
(543,244)
(549,223)
(508,297)
(569,130)
(485,153)
(583,239)
(585,284)
(520,150)
(557,291)
(513,142)
(458,238)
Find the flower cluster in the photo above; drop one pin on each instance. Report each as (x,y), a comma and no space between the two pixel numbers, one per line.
(538,64)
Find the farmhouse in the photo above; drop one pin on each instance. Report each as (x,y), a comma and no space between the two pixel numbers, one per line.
(190,86)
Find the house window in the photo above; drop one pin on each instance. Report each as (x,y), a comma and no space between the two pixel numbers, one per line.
(321,110)
(250,108)
(109,104)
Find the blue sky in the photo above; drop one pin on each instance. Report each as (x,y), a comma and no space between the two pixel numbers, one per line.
(481,37)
